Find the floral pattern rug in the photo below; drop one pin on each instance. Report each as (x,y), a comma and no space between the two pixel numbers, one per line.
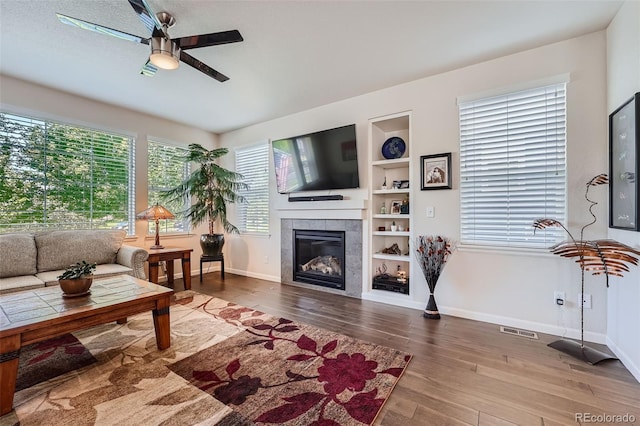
(227,365)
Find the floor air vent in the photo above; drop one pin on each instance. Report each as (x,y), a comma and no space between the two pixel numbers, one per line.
(518,332)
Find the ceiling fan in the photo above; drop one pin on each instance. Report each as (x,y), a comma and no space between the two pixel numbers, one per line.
(166,52)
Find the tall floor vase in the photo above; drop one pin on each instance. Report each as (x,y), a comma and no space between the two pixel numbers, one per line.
(431,311)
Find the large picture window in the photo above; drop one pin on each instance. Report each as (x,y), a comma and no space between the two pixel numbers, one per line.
(513,167)
(167,169)
(61,176)
(252,163)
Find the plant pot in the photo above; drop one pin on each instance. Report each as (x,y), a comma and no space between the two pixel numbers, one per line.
(211,244)
(76,287)
(394,228)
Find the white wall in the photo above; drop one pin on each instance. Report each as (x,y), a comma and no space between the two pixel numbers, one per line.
(38,101)
(623,80)
(508,288)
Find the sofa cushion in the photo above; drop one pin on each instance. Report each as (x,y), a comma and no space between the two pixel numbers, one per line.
(102,271)
(19,255)
(59,249)
(25,282)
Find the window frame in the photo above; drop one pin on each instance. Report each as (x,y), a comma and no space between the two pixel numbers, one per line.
(249,194)
(100,137)
(187,168)
(514,137)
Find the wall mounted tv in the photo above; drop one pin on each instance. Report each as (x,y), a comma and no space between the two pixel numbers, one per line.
(322,160)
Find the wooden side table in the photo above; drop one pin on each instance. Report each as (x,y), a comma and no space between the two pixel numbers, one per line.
(169,254)
(216,258)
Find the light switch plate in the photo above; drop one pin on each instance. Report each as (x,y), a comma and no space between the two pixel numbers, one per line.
(431,212)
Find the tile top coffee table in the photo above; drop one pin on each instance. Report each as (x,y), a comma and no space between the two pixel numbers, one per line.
(31,316)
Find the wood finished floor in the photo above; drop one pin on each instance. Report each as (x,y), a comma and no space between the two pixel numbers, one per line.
(463,372)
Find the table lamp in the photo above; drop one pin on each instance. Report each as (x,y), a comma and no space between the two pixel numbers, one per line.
(156,213)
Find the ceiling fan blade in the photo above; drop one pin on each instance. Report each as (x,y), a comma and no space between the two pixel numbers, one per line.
(212,39)
(148,69)
(148,18)
(202,67)
(85,25)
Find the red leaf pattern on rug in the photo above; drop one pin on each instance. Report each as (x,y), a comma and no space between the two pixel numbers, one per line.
(323,382)
(66,342)
(297,405)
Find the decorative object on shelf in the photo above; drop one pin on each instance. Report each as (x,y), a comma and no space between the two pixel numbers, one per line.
(76,280)
(383,209)
(394,147)
(432,253)
(395,206)
(381,228)
(156,212)
(401,275)
(392,249)
(394,227)
(211,187)
(608,257)
(624,167)
(384,184)
(404,184)
(435,171)
(404,207)
(384,281)
(396,184)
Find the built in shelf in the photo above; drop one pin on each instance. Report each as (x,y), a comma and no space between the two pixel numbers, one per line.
(393,257)
(392,234)
(392,164)
(391,191)
(391,216)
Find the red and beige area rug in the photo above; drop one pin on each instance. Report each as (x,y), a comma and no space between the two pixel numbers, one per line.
(227,365)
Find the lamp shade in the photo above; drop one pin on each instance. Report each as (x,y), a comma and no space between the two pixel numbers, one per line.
(155,212)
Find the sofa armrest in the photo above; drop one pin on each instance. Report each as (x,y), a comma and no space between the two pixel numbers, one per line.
(134,258)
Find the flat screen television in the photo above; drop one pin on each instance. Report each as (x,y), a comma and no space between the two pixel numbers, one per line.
(322,160)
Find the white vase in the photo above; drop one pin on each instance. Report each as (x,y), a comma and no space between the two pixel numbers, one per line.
(394,228)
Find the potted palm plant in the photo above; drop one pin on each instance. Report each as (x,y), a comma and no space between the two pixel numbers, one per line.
(210,187)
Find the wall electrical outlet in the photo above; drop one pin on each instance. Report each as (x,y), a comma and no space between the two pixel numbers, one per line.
(559,298)
(585,299)
(266,259)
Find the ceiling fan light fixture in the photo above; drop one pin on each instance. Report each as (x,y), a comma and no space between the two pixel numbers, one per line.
(165,53)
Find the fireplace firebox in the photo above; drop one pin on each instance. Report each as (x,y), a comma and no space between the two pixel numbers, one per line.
(319,258)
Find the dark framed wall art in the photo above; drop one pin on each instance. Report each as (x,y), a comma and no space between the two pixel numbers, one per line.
(435,171)
(624,149)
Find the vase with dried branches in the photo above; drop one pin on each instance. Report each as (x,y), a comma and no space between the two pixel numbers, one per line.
(600,257)
(432,253)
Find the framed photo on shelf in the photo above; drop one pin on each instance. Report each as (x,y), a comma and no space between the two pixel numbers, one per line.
(624,150)
(435,171)
(404,184)
(395,206)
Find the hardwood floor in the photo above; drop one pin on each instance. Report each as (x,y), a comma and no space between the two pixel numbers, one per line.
(463,372)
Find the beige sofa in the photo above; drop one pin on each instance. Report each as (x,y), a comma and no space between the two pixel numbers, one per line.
(35,260)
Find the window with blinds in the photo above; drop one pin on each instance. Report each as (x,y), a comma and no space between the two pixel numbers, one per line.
(253,164)
(513,167)
(60,176)
(166,169)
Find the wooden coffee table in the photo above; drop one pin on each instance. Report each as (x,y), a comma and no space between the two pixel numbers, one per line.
(31,316)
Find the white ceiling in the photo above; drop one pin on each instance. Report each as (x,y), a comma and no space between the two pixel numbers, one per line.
(296,55)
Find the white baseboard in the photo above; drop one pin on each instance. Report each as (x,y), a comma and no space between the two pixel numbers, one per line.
(524,324)
(390,300)
(626,360)
(253,275)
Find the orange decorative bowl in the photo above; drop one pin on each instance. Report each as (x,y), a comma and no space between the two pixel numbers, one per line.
(77,287)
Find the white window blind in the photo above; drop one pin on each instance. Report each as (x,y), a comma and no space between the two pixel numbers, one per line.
(513,167)
(253,164)
(166,170)
(60,176)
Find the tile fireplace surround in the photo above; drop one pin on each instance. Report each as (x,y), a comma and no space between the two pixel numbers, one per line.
(353,251)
